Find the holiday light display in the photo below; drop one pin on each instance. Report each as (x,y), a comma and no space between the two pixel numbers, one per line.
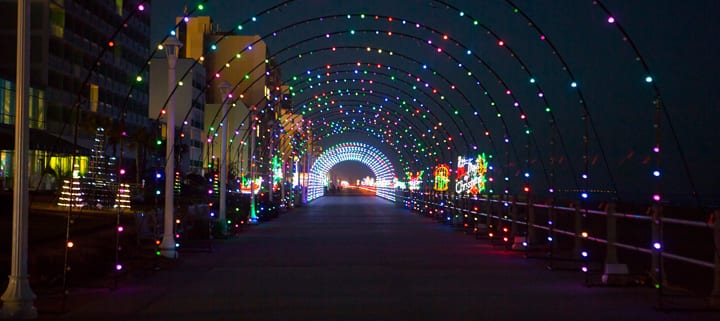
(442,178)
(417,144)
(503,43)
(177,183)
(71,194)
(470,175)
(414,180)
(353,151)
(122,198)
(96,185)
(277,170)
(245,187)
(423,143)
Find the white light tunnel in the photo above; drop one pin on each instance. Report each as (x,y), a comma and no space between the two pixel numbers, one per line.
(352,151)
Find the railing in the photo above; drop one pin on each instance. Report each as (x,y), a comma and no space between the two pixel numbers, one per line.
(529,226)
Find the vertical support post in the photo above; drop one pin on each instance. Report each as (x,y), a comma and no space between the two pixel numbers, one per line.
(615,273)
(18,297)
(513,216)
(715,224)
(656,236)
(611,227)
(222,209)
(530,222)
(551,231)
(577,242)
(252,216)
(167,246)
(488,211)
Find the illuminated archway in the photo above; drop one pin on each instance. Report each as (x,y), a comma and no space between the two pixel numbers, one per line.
(352,151)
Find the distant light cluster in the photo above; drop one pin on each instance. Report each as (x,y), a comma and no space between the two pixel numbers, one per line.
(379,164)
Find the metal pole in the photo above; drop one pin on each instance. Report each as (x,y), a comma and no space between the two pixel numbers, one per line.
(656,258)
(531,239)
(513,217)
(715,294)
(577,241)
(167,246)
(222,220)
(18,298)
(252,217)
(610,248)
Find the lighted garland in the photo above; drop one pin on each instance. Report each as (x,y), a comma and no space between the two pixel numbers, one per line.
(501,43)
(337,100)
(438,49)
(381,135)
(352,151)
(284,3)
(378,136)
(253,19)
(383,130)
(340,104)
(518,159)
(403,102)
(435,92)
(659,107)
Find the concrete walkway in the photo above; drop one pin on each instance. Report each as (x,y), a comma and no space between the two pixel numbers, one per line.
(360,258)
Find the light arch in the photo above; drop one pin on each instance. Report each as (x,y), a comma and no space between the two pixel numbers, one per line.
(373,158)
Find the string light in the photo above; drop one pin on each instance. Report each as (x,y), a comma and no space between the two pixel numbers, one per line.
(379,164)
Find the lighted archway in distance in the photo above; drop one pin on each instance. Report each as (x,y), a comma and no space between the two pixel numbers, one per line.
(352,151)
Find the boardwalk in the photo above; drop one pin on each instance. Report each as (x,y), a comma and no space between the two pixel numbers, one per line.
(361,258)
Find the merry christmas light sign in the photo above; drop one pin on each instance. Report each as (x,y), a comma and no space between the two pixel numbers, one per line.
(471,173)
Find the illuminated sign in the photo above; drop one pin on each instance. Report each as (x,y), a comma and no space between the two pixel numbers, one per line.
(277,169)
(442,178)
(245,187)
(414,181)
(471,174)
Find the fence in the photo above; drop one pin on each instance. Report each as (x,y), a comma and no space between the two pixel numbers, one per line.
(591,241)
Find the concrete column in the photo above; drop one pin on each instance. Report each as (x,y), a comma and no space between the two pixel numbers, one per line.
(18,297)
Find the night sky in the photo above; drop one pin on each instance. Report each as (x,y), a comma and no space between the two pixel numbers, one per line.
(676,39)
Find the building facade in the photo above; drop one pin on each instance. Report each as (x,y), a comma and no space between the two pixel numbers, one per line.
(89,78)
(240,60)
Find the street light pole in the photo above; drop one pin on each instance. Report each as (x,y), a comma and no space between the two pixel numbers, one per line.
(167,246)
(18,298)
(252,217)
(225,88)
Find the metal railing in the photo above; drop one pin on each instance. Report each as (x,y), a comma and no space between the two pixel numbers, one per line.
(512,221)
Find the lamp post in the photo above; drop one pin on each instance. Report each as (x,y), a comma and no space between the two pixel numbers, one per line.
(252,216)
(167,246)
(18,298)
(225,88)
